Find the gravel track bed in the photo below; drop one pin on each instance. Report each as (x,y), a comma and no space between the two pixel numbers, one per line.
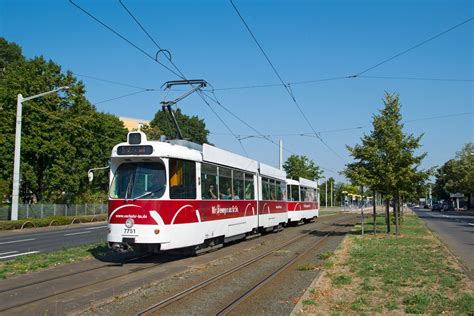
(208,265)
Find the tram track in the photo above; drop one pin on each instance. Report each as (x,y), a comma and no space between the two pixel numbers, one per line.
(91,278)
(47,295)
(165,303)
(62,276)
(270,277)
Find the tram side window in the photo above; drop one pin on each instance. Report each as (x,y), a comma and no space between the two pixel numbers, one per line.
(225,183)
(272,190)
(209,182)
(310,195)
(237,185)
(265,189)
(182,179)
(303,194)
(279,192)
(295,193)
(249,187)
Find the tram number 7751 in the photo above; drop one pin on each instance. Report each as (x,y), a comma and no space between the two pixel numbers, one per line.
(127,231)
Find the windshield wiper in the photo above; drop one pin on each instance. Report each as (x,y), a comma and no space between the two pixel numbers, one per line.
(148,193)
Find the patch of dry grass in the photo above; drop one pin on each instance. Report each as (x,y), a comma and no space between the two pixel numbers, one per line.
(413,273)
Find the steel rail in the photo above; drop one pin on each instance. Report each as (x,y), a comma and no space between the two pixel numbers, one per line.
(118,264)
(40,298)
(227,272)
(272,275)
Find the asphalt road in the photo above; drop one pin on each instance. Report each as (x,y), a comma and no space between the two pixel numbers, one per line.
(457,231)
(14,243)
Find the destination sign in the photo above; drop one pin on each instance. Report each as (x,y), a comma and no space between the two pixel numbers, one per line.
(135,150)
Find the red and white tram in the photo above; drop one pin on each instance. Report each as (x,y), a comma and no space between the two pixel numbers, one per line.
(303,200)
(178,194)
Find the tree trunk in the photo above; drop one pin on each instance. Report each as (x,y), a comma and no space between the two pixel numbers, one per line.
(387,214)
(362,208)
(396,211)
(375,214)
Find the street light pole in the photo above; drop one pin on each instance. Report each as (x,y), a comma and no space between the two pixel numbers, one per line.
(331,193)
(16,160)
(326,192)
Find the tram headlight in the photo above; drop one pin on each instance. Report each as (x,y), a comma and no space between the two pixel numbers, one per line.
(157,231)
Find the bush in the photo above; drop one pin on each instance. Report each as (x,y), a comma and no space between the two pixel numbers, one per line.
(53,220)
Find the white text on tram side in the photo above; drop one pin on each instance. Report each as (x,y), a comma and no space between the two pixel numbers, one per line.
(131,216)
(224,210)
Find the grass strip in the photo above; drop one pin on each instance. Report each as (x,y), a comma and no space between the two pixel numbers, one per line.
(411,273)
(327,212)
(34,262)
(50,221)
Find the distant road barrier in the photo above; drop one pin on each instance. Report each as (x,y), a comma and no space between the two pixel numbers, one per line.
(41,210)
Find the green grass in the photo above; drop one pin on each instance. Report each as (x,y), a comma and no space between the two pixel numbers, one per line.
(325,255)
(34,262)
(309,302)
(308,267)
(410,271)
(51,220)
(328,212)
(341,280)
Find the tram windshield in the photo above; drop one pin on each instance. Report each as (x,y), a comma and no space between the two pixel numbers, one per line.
(142,180)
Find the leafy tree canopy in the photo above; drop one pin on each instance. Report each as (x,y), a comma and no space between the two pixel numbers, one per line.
(63,135)
(456,175)
(385,160)
(301,166)
(192,127)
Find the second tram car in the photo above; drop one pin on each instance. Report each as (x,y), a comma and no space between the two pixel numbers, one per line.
(303,200)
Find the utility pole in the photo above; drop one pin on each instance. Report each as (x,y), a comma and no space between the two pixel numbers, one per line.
(281,154)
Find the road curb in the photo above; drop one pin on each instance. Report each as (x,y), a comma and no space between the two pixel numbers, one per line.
(298,309)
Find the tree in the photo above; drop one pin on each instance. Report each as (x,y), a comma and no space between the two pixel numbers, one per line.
(385,161)
(10,53)
(152,133)
(63,135)
(301,166)
(192,127)
(456,175)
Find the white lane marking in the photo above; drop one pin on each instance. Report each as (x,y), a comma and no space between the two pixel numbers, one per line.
(91,228)
(19,254)
(14,241)
(6,253)
(71,234)
(472,224)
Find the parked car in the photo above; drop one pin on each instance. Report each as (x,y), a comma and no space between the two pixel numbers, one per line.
(436,207)
(447,206)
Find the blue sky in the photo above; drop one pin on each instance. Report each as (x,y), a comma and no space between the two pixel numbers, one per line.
(305,40)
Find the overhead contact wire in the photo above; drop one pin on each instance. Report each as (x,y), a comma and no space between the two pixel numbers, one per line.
(123,38)
(287,86)
(182,76)
(414,47)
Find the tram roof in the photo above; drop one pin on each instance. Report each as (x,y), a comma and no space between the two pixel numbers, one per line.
(270,171)
(292,182)
(308,183)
